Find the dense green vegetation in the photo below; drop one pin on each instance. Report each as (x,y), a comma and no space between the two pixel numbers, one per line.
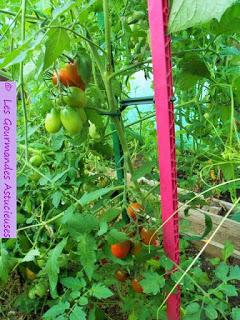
(83,251)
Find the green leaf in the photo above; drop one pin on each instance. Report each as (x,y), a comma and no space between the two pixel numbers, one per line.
(222,271)
(52,266)
(116,236)
(58,41)
(110,215)
(201,277)
(236,314)
(18,55)
(100,291)
(227,251)
(103,228)
(211,312)
(230,21)
(73,283)
(30,256)
(56,310)
(58,176)
(87,253)
(189,13)
(77,314)
(80,223)
(83,301)
(56,198)
(234,273)
(4,258)
(94,195)
(57,140)
(21,181)
(84,67)
(59,10)
(229,290)
(143,170)
(192,312)
(166,263)
(152,282)
(208,229)
(193,69)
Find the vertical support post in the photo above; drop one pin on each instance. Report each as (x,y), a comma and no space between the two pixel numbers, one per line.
(162,73)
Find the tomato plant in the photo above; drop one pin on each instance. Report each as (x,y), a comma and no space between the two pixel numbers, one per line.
(82,248)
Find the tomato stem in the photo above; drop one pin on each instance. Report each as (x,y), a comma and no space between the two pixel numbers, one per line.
(112,103)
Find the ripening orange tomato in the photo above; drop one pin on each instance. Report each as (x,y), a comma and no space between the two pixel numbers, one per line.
(136,286)
(134,208)
(147,237)
(121,275)
(121,249)
(69,77)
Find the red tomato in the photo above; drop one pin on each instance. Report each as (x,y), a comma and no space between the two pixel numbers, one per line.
(121,250)
(134,208)
(136,286)
(69,76)
(121,275)
(147,236)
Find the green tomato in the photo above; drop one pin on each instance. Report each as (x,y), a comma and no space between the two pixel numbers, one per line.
(52,121)
(83,115)
(41,263)
(35,177)
(76,98)
(36,160)
(40,289)
(32,293)
(71,120)
(137,15)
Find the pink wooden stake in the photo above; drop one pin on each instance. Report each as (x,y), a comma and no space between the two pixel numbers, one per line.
(162,73)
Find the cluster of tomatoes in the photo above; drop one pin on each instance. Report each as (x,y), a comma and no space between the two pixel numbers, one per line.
(122,249)
(71,115)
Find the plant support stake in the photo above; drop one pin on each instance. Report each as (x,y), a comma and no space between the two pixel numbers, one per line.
(163,92)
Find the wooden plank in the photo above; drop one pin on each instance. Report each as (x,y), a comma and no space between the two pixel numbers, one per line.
(214,249)
(230,229)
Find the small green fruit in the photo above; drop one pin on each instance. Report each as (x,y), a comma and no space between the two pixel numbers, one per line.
(71,120)
(53,122)
(32,293)
(76,98)
(36,160)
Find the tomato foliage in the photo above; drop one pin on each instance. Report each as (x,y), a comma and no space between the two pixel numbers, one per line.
(88,241)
